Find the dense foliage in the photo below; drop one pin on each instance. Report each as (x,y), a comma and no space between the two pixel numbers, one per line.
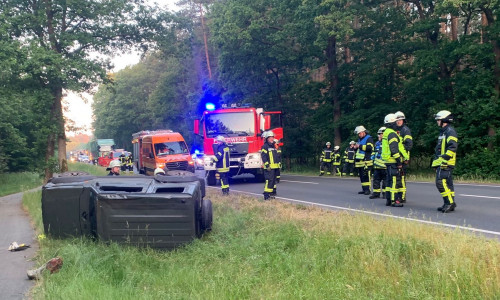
(329,65)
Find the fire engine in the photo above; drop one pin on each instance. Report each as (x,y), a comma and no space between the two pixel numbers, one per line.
(163,149)
(242,128)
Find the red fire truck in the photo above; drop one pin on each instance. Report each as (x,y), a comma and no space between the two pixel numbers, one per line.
(242,128)
(163,149)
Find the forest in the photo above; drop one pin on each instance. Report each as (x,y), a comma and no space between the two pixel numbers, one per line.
(328,65)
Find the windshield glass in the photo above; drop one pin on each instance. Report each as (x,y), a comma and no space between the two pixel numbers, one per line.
(230,124)
(170,148)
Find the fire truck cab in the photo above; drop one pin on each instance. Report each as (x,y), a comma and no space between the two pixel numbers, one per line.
(242,128)
(163,149)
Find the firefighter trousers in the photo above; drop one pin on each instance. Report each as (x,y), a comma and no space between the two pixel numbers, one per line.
(365,175)
(444,184)
(326,165)
(394,184)
(402,190)
(379,181)
(224,182)
(270,185)
(336,169)
(348,169)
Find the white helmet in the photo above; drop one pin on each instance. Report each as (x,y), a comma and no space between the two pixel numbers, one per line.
(159,171)
(381,129)
(336,148)
(359,129)
(444,116)
(352,143)
(267,134)
(390,118)
(220,138)
(328,143)
(400,115)
(114,163)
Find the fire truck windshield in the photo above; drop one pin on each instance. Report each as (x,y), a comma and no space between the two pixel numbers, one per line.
(230,124)
(170,148)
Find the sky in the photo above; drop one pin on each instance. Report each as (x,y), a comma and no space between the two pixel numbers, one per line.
(78,107)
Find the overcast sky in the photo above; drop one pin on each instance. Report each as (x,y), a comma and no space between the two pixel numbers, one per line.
(80,111)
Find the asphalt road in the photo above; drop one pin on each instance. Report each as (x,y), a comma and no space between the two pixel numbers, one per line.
(15,226)
(478,206)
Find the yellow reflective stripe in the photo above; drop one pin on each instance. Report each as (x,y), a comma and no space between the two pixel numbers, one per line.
(408,137)
(452,138)
(223,170)
(450,153)
(393,140)
(264,150)
(396,155)
(447,191)
(266,187)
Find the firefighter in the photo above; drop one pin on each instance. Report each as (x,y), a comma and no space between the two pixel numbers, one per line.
(130,163)
(393,161)
(326,160)
(270,159)
(349,154)
(123,161)
(222,163)
(445,159)
(379,173)
(336,161)
(363,162)
(278,171)
(405,145)
(114,168)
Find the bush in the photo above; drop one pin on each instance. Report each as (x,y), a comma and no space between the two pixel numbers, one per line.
(482,164)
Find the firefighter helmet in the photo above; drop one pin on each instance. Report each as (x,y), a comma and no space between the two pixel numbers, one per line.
(267,134)
(220,138)
(400,115)
(328,143)
(381,130)
(336,148)
(352,143)
(114,163)
(444,116)
(159,171)
(390,118)
(359,129)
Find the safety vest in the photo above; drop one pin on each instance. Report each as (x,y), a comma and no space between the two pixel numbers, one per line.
(378,162)
(270,156)
(406,142)
(129,161)
(363,155)
(123,160)
(349,155)
(326,155)
(390,151)
(446,148)
(222,158)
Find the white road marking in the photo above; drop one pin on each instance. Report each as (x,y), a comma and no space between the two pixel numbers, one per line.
(479,196)
(377,214)
(299,181)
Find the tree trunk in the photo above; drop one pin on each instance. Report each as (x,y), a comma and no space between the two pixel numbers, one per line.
(61,134)
(48,155)
(331,54)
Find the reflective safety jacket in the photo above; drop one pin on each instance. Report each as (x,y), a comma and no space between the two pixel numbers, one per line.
(327,154)
(222,158)
(406,142)
(128,161)
(378,162)
(446,148)
(123,159)
(270,156)
(336,158)
(364,153)
(349,154)
(278,149)
(390,147)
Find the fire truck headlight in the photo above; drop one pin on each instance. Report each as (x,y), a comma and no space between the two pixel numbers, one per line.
(160,165)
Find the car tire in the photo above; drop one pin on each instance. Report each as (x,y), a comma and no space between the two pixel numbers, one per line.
(206,215)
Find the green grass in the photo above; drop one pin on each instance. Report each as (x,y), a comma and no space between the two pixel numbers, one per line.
(274,250)
(91,169)
(11,183)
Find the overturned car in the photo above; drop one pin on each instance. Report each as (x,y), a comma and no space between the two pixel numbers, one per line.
(157,212)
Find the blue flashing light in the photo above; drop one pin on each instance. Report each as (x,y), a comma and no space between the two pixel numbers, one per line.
(210,106)
(197,151)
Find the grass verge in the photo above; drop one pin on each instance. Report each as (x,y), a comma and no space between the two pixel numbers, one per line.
(11,183)
(91,169)
(262,250)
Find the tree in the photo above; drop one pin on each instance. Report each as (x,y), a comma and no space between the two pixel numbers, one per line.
(63,39)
